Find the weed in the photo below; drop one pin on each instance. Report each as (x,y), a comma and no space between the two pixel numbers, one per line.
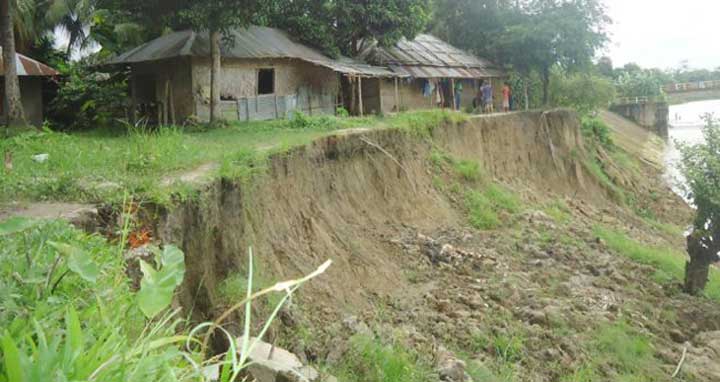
(370,360)
(596,130)
(559,211)
(484,207)
(596,170)
(468,170)
(482,213)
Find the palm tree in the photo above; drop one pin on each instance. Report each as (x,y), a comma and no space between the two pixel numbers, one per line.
(75,18)
(15,114)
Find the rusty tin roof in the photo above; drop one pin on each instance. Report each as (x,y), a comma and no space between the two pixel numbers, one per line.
(253,42)
(429,57)
(27,67)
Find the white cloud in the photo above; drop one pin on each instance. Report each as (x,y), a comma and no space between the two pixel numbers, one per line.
(662,33)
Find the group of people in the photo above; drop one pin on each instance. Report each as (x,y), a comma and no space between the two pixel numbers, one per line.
(434,89)
(485,102)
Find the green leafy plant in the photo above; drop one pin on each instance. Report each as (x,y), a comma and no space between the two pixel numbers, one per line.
(87,99)
(157,286)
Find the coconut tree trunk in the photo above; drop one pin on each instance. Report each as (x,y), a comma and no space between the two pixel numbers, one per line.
(15,115)
(215,76)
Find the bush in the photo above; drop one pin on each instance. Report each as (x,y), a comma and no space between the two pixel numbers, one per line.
(595,129)
(87,99)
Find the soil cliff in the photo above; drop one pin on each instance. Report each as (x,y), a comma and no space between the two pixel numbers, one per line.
(506,239)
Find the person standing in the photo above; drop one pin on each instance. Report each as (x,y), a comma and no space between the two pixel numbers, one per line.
(507,93)
(487,91)
(458,94)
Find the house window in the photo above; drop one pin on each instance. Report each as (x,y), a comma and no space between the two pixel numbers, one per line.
(266,81)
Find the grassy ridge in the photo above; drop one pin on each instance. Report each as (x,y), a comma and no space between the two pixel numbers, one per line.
(100,165)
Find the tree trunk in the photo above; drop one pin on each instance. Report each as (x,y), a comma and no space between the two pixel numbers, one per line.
(546,86)
(215,76)
(526,95)
(15,116)
(698,268)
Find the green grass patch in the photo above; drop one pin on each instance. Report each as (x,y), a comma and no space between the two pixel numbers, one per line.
(371,360)
(668,263)
(101,165)
(484,207)
(623,350)
(468,170)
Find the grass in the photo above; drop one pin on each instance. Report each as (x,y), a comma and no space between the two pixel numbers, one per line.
(100,165)
(371,360)
(468,170)
(669,264)
(559,211)
(620,348)
(59,322)
(484,207)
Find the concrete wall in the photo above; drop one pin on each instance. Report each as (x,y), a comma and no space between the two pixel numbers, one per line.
(410,92)
(651,115)
(32,99)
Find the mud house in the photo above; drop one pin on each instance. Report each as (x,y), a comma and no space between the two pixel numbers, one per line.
(265,75)
(32,75)
(426,69)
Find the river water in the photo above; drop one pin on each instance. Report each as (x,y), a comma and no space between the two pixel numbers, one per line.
(686,122)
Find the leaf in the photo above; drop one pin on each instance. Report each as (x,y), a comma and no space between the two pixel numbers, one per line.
(16,225)
(173,261)
(158,287)
(156,291)
(74,340)
(11,358)
(78,261)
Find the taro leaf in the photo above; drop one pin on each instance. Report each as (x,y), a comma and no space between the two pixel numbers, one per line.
(15,225)
(157,287)
(173,261)
(78,261)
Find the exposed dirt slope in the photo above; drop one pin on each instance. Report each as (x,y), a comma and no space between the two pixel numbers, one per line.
(394,219)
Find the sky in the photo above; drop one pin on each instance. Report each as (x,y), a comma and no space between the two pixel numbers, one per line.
(662,33)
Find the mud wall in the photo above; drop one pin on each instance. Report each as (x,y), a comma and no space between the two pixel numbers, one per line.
(336,198)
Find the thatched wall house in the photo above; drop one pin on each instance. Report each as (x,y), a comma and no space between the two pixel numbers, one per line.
(32,75)
(265,75)
(426,59)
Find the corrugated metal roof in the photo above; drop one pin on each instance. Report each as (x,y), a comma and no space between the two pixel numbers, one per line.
(26,66)
(249,43)
(429,57)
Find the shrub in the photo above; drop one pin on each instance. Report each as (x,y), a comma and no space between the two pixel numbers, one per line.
(87,99)
(595,129)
